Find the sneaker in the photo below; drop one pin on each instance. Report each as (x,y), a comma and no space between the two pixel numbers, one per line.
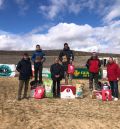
(115,99)
(19,99)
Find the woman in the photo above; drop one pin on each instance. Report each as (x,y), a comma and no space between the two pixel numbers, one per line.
(113,74)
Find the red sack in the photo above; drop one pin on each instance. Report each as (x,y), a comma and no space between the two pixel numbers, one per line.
(39,92)
(106,95)
(71,69)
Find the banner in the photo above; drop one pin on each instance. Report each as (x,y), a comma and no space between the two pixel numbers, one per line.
(7,70)
(83,73)
(46,73)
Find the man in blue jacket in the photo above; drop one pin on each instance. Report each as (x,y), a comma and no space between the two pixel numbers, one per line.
(38,58)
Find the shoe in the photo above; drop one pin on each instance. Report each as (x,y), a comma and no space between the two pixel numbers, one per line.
(25,97)
(115,99)
(19,99)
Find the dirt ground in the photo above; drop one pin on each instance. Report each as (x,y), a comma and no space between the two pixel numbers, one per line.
(55,113)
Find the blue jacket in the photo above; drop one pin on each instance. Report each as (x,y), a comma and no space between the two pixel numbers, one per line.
(40,54)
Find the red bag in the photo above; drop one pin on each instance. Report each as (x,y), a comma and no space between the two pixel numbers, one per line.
(106,95)
(39,92)
(71,69)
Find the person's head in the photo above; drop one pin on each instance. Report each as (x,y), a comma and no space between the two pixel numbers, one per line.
(38,47)
(56,60)
(94,55)
(111,60)
(66,46)
(25,56)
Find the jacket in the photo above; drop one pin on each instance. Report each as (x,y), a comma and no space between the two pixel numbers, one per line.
(38,54)
(93,65)
(66,52)
(56,69)
(113,72)
(25,69)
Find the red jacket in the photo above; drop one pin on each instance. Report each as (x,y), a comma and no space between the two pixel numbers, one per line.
(113,72)
(93,65)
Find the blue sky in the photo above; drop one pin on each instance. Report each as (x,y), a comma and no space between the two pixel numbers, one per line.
(88,25)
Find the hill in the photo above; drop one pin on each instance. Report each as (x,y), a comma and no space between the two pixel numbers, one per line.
(12,57)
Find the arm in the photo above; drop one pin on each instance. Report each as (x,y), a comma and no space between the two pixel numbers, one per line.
(31,74)
(60,56)
(33,57)
(51,70)
(18,68)
(43,58)
(72,55)
(87,64)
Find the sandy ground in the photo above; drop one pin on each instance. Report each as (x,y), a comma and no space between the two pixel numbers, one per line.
(55,113)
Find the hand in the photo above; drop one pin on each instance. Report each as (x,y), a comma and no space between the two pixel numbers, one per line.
(57,76)
(105,79)
(118,79)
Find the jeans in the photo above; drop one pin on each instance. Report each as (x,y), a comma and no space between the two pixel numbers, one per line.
(58,87)
(93,76)
(38,72)
(114,88)
(22,83)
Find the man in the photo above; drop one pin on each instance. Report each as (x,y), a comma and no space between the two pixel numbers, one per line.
(93,64)
(57,74)
(38,59)
(66,56)
(25,73)
(113,75)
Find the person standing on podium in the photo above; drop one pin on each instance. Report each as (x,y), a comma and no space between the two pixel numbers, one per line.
(66,56)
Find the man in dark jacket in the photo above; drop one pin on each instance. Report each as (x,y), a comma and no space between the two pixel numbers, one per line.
(57,74)
(66,56)
(38,58)
(93,64)
(25,73)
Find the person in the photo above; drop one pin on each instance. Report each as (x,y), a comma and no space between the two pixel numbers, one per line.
(113,74)
(93,64)
(38,59)
(57,74)
(25,73)
(66,56)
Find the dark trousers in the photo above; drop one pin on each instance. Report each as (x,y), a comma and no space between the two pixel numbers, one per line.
(93,77)
(114,88)
(25,84)
(56,82)
(38,72)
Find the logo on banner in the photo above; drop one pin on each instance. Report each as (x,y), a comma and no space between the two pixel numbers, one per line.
(5,70)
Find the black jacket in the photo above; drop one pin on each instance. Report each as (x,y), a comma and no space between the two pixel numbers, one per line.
(56,69)
(25,69)
(66,52)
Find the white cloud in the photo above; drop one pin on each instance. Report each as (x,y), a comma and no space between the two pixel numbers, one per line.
(1,4)
(112,12)
(54,8)
(23,6)
(79,37)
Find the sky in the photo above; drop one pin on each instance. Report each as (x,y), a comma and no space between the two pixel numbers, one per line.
(86,25)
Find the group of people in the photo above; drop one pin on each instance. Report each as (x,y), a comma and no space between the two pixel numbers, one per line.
(59,71)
